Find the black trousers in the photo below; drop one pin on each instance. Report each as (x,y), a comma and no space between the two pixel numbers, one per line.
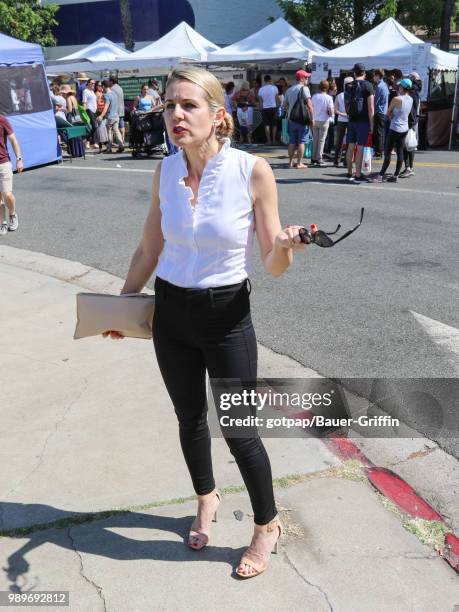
(396,140)
(378,133)
(340,132)
(195,330)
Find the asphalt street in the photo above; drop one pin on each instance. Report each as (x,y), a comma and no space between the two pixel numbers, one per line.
(383,303)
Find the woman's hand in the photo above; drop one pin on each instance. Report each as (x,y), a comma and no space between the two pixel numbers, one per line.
(114,335)
(289,238)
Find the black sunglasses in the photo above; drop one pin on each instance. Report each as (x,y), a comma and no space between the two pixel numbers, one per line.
(321,238)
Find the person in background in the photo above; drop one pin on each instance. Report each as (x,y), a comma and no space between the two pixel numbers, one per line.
(297,132)
(280,108)
(90,104)
(359,99)
(58,100)
(81,86)
(153,91)
(228,94)
(244,95)
(392,80)
(283,83)
(112,114)
(269,100)
(70,100)
(398,112)
(146,103)
(342,120)
(256,86)
(101,134)
(245,121)
(323,113)
(119,93)
(6,176)
(330,139)
(381,105)
(413,119)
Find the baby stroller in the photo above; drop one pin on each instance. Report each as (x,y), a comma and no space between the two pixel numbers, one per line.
(147,133)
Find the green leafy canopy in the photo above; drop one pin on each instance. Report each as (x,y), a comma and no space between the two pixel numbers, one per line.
(28,20)
(335,22)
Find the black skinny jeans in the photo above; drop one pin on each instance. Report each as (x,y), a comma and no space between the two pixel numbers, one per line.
(195,330)
(395,140)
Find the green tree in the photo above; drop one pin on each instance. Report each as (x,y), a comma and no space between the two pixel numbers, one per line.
(28,20)
(334,22)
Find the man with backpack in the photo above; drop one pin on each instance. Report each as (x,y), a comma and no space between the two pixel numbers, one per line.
(359,102)
(297,103)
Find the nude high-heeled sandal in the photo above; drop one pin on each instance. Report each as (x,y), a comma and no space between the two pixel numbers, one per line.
(255,560)
(198,539)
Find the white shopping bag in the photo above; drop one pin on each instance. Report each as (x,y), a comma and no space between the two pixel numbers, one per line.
(366,160)
(411,141)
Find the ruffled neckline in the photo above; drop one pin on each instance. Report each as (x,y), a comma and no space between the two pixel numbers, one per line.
(209,175)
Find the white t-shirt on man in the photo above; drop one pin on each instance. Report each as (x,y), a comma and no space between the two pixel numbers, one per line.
(268,94)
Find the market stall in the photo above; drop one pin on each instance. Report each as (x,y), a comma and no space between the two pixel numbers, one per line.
(389,45)
(25,100)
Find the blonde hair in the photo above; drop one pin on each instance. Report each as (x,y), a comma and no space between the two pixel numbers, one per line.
(213,92)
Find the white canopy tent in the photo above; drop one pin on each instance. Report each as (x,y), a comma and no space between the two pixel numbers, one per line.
(94,57)
(388,45)
(181,44)
(277,42)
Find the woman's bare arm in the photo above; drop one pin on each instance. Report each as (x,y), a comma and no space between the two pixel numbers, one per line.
(276,247)
(145,258)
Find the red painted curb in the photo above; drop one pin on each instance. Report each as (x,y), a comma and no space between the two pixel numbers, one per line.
(345,449)
(451,551)
(396,490)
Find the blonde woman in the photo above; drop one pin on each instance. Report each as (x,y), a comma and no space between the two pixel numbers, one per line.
(207,201)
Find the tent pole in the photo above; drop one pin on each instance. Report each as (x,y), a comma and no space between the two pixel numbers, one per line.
(453,114)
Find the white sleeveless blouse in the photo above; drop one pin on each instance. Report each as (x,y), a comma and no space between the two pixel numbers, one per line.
(209,245)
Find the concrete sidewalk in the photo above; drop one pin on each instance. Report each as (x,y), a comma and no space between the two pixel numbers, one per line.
(88,428)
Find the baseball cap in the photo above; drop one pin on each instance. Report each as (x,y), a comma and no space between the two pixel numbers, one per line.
(358,67)
(405,83)
(302,74)
(348,80)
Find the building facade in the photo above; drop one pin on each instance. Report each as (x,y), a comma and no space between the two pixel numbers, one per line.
(81,22)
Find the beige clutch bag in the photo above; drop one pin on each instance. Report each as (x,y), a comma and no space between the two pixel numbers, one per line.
(130,314)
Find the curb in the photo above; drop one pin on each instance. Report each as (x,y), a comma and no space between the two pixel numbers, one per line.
(396,490)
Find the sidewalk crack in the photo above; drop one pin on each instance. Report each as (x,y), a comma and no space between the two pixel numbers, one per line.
(51,433)
(83,575)
(315,586)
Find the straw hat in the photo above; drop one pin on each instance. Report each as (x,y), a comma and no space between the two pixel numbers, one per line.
(82,76)
(65,89)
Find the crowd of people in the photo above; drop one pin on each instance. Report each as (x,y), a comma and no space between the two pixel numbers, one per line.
(376,110)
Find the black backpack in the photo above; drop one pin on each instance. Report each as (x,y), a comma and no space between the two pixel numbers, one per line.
(300,111)
(353,100)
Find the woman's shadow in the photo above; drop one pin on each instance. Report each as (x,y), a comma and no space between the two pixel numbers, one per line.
(92,533)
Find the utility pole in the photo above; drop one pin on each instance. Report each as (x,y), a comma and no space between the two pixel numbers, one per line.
(446,15)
